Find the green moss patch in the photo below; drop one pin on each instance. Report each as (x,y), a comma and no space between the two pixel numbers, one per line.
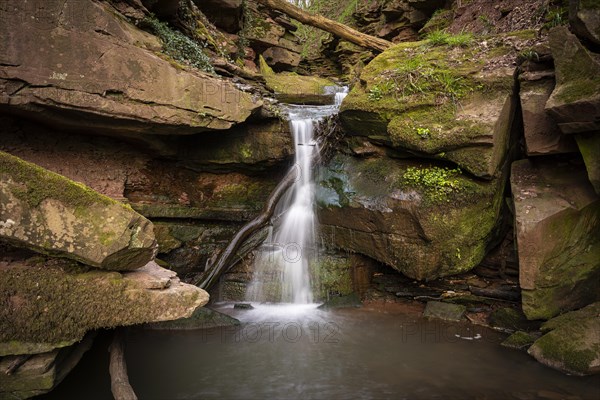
(293,84)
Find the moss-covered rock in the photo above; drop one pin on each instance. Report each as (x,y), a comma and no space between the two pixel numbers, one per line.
(573,343)
(423,220)
(439,101)
(55,302)
(297,89)
(51,214)
(519,340)
(557,228)
(575,101)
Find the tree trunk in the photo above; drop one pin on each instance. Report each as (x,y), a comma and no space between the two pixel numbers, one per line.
(226,257)
(328,25)
(119,380)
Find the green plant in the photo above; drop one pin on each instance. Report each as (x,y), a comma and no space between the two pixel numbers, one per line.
(178,46)
(529,55)
(423,132)
(440,38)
(375,93)
(437,183)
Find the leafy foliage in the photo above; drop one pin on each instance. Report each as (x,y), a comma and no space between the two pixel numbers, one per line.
(180,47)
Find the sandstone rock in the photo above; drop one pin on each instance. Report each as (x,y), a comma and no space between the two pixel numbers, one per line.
(575,102)
(41,372)
(82,65)
(542,135)
(369,207)
(445,311)
(589,146)
(445,103)
(584,18)
(51,214)
(573,343)
(50,303)
(557,228)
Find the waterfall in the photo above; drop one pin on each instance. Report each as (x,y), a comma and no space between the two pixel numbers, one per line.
(282,264)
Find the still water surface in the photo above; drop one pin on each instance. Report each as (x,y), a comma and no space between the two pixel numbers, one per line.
(300,352)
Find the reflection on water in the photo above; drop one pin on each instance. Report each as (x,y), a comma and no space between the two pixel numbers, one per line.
(300,352)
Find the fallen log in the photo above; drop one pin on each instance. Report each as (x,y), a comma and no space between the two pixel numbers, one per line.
(119,380)
(328,25)
(225,259)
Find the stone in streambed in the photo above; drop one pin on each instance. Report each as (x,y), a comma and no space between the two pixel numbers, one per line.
(519,340)
(444,311)
(572,344)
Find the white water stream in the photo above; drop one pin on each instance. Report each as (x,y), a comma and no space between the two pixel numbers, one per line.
(282,265)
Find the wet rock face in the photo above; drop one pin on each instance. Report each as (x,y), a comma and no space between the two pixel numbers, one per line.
(557,227)
(49,213)
(53,303)
(373,207)
(571,342)
(79,64)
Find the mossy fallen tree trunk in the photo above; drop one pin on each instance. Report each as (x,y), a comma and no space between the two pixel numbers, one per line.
(328,25)
(224,261)
(119,380)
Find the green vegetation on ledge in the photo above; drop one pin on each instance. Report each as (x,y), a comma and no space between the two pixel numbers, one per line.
(436,182)
(178,46)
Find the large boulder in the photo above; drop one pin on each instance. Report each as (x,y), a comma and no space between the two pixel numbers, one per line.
(572,344)
(575,102)
(453,102)
(557,228)
(51,214)
(584,17)
(80,64)
(52,303)
(423,220)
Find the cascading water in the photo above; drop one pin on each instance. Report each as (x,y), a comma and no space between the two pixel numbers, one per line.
(282,265)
